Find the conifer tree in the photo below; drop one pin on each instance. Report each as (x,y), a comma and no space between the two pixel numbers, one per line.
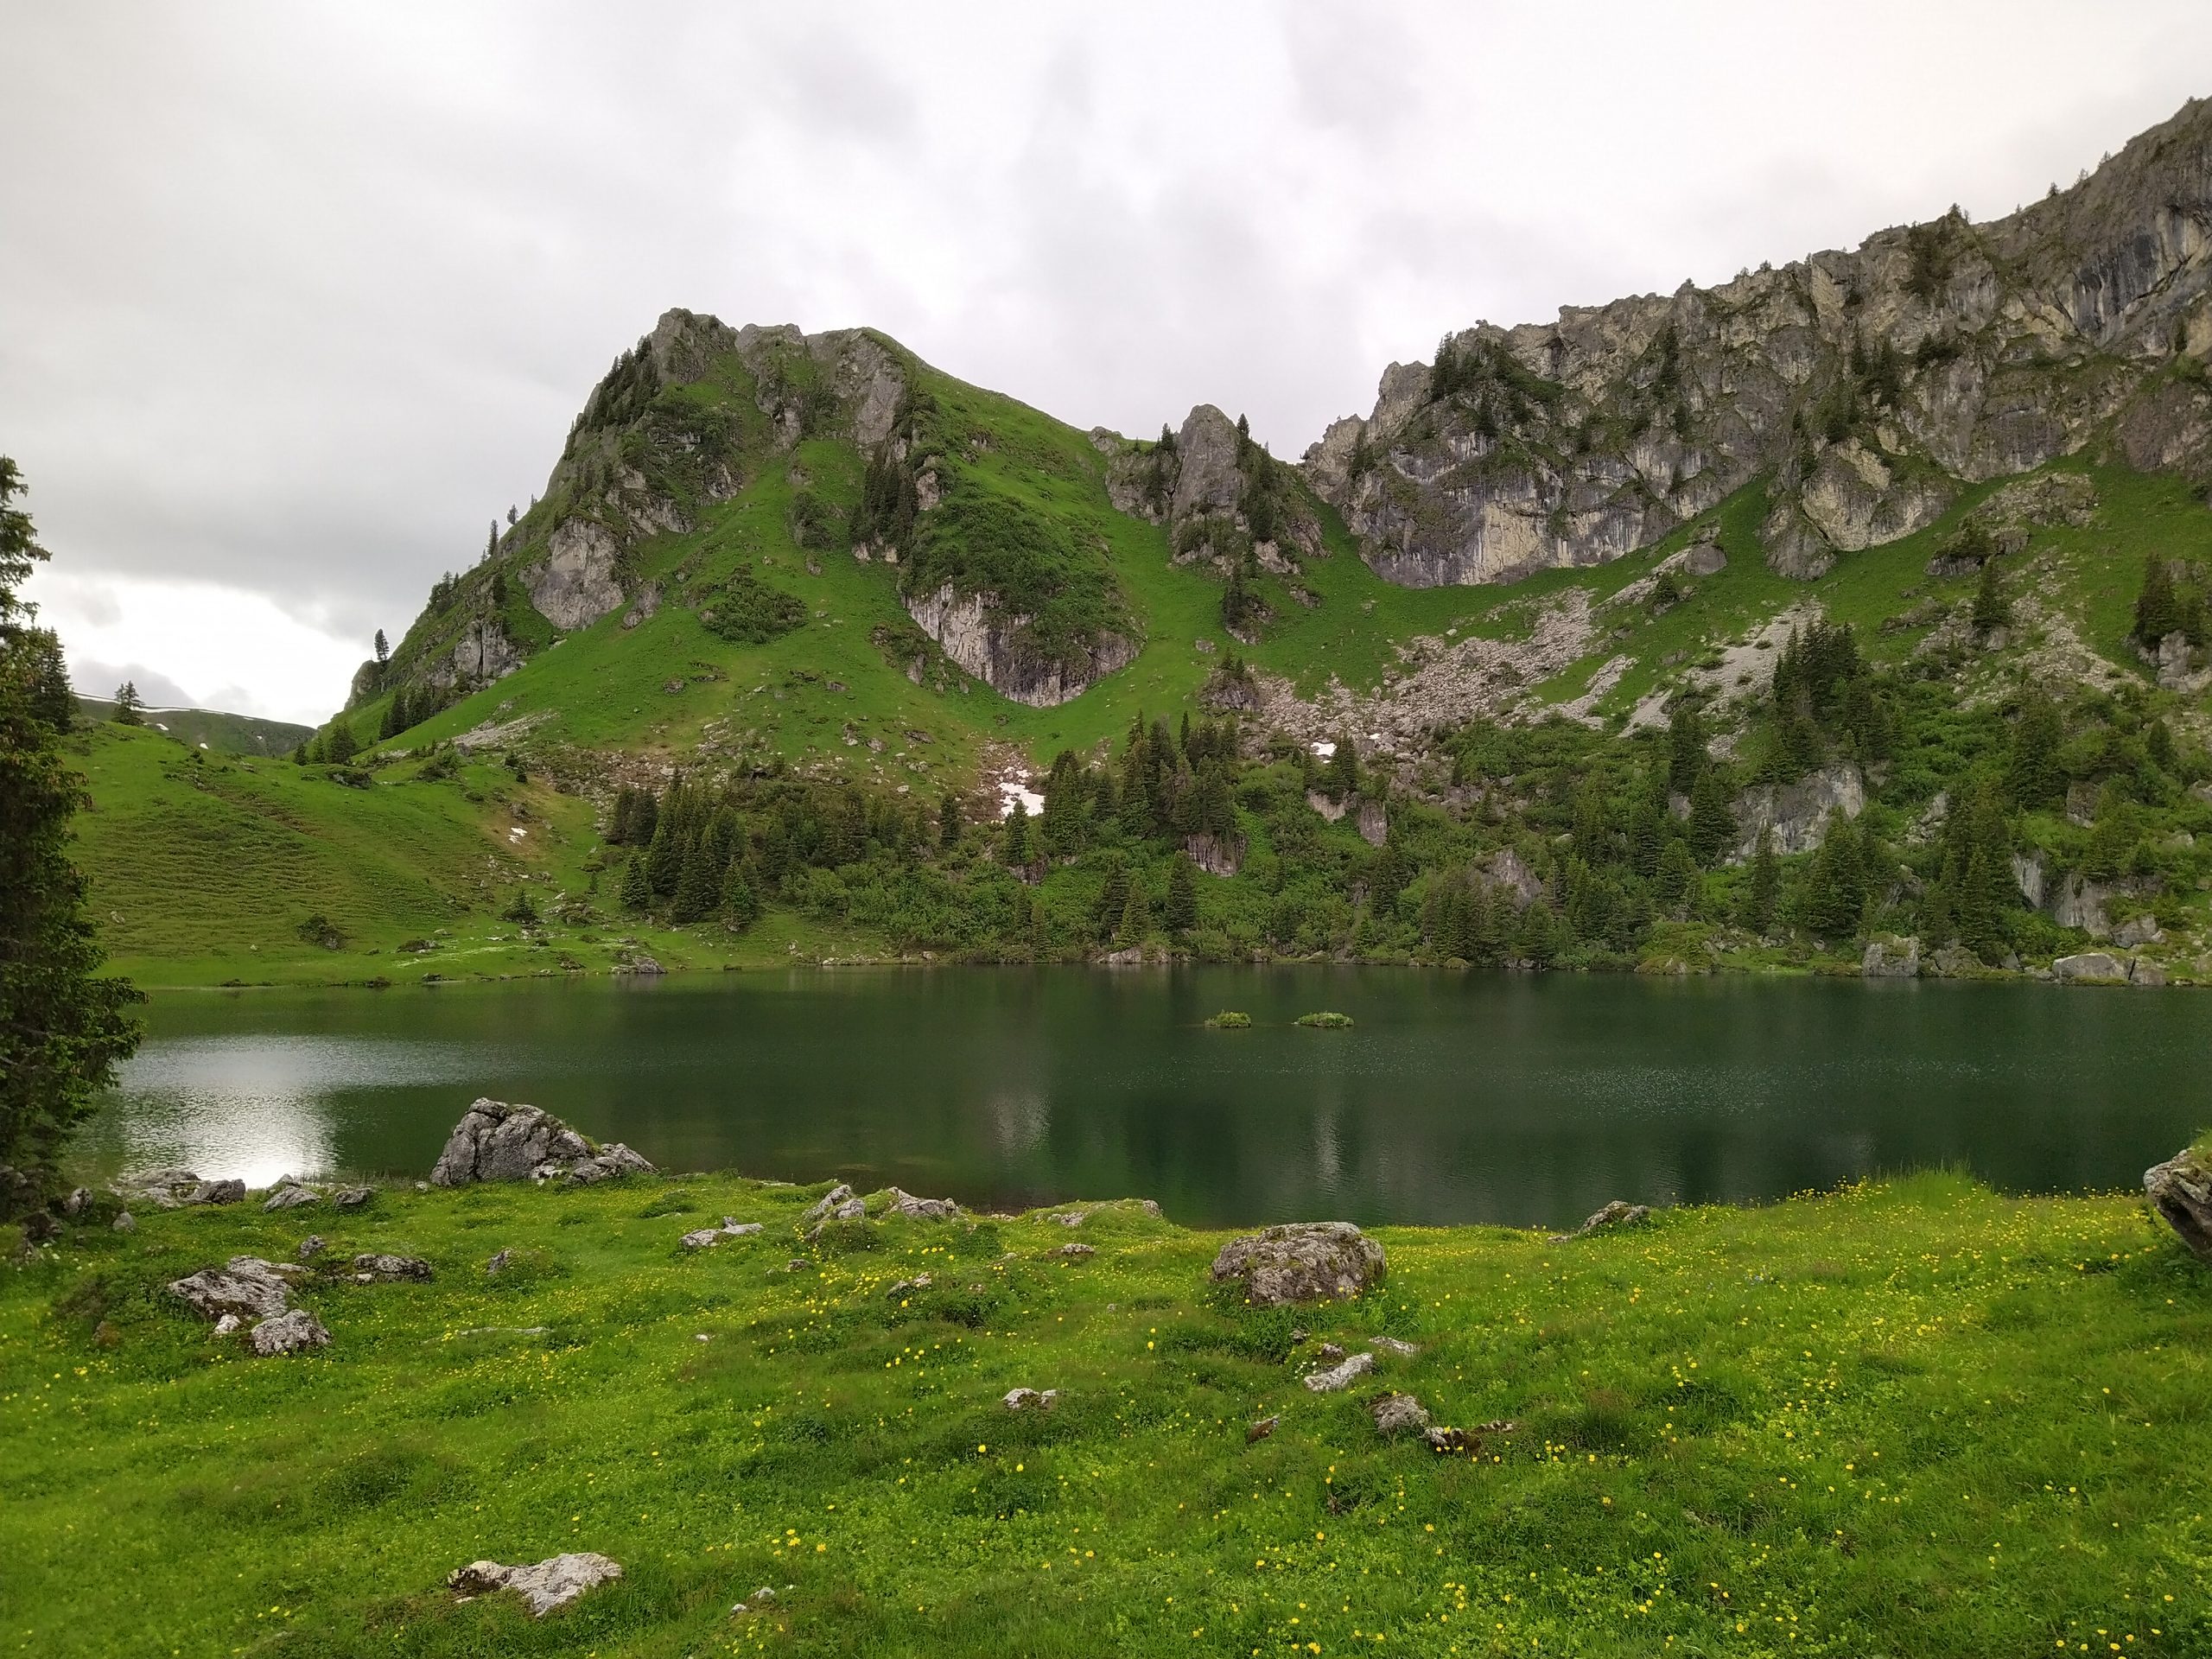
(1136,914)
(1013,838)
(1766,885)
(698,886)
(1713,825)
(740,908)
(128,711)
(2032,775)
(637,885)
(948,822)
(62,1026)
(1343,768)
(2158,607)
(383,649)
(1992,610)
(1182,896)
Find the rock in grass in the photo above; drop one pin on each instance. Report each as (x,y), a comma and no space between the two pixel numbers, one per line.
(78,1201)
(1341,1375)
(1301,1262)
(1398,1413)
(353,1198)
(1618,1213)
(836,1204)
(497,1141)
(288,1333)
(375,1267)
(245,1286)
(544,1585)
(1259,1430)
(126,1223)
(1030,1399)
(1076,1252)
(2180,1190)
(1392,1346)
(290,1195)
(905,1203)
(502,1259)
(706,1237)
(312,1246)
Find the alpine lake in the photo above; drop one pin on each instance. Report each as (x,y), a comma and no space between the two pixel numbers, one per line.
(1504,1099)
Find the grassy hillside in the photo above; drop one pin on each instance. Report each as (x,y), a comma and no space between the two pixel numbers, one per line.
(1909,1417)
(211,729)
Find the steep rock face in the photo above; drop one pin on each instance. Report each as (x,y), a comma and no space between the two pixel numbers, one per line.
(1204,483)
(992,645)
(1867,386)
(573,585)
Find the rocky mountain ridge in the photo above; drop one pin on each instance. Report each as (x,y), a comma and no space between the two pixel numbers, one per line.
(1867,387)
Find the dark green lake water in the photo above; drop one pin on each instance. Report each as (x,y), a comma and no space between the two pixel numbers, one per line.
(1457,1098)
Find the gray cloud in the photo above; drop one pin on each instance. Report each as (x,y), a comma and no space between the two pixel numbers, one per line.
(296,297)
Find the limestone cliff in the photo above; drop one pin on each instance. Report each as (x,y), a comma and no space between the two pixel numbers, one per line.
(1866,385)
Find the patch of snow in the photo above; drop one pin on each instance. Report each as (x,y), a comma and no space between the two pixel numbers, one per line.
(1325,748)
(1017,789)
(517,833)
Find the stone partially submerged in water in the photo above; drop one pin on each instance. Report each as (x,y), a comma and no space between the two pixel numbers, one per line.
(1301,1262)
(497,1141)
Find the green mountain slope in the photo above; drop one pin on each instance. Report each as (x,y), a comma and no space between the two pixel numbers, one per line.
(211,729)
(781,565)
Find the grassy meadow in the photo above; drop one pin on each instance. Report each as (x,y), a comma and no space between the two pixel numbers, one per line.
(1907,1418)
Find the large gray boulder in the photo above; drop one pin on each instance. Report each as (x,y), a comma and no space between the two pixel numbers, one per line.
(544,1584)
(245,1286)
(175,1189)
(1301,1262)
(2090,968)
(497,1141)
(2180,1190)
(900,1202)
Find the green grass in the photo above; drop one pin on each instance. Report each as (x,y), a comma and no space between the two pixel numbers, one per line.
(1909,1417)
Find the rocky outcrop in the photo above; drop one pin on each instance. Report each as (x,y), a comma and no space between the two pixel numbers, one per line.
(1618,1212)
(705,1238)
(246,1286)
(1891,959)
(378,1267)
(543,1585)
(996,648)
(2090,968)
(841,1202)
(2180,1190)
(1868,385)
(899,1202)
(1301,1262)
(1221,855)
(1797,815)
(497,1141)
(575,585)
(480,654)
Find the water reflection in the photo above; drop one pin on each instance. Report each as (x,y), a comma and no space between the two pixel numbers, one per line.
(1455,1098)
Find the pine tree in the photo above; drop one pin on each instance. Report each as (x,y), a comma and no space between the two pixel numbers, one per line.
(740,908)
(1992,610)
(2032,775)
(2158,607)
(1765,886)
(522,911)
(1114,898)
(62,1028)
(1537,942)
(664,853)
(1343,768)
(1136,914)
(1678,879)
(1182,896)
(383,649)
(128,711)
(698,886)
(1685,749)
(637,885)
(948,822)
(1713,824)
(340,745)
(1013,839)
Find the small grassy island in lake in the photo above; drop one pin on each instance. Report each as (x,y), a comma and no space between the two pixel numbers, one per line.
(1913,1416)
(1324,1021)
(1228,1019)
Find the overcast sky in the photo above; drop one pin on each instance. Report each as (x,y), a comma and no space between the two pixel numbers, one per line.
(295,298)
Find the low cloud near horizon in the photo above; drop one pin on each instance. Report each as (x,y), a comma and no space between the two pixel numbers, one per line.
(299,296)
